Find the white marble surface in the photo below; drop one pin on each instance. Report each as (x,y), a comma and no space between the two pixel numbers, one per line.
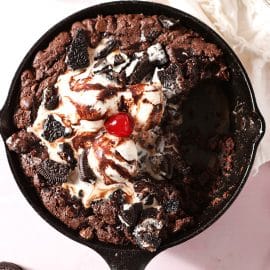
(238,240)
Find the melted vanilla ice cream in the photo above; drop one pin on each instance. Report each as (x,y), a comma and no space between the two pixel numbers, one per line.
(86,100)
(113,159)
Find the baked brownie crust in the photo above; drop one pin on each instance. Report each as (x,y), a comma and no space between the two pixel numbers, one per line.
(158,47)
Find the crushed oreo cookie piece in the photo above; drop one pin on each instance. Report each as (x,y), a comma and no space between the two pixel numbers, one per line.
(85,172)
(152,35)
(109,46)
(51,98)
(53,129)
(131,215)
(168,23)
(171,206)
(66,153)
(157,54)
(168,78)
(77,55)
(148,234)
(53,172)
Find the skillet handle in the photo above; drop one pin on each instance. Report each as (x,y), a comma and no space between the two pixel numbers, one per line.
(125,259)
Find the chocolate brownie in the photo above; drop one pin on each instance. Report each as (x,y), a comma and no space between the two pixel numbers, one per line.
(104,133)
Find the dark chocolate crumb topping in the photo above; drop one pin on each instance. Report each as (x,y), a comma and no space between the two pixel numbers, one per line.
(51,98)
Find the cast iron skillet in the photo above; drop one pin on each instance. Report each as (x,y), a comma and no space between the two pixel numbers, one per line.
(247,125)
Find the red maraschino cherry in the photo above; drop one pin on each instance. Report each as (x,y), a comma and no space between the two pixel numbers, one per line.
(120,125)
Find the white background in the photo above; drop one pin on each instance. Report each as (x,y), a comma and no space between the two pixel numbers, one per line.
(240,239)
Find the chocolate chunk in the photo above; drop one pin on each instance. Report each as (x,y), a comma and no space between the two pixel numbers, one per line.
(66,153)
(180,55)
(22,142)
(87,233)
(9,266)
(148,234)
(51,98)
(77,56)
(53,129)
(142,69)
(86,174)
(168,23)
(131,215)
(109,46)
(118,60)
(53,172)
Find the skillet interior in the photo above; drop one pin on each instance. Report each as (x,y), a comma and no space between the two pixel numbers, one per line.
(239,103)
